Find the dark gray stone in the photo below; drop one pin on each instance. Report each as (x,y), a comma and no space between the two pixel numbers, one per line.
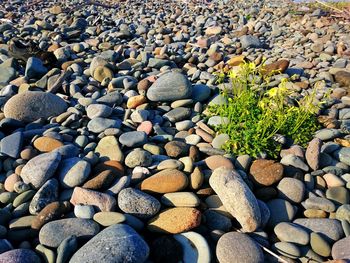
(116,244)
(11,145)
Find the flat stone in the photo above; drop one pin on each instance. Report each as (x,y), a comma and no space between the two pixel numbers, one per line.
(175,220)
(133,139)
(329,228)
(102,202)
(170,87)
(138,203)
(178,114)
(11,145)
(249,41)
(344,155)
(109,218)
(289,232)
(320,245)
(166,181)
(53,233)
(98,110)
(73,172)
(47,144)
(41,168)
(238,247)
(33,105)
(108,149)
(237,198)
(321,203)
(66,249)
(286,249)
(180,199)
(117,243)
(99,124)
(291,189)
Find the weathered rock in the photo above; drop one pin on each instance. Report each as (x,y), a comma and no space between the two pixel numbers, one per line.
(236,197)
(266,172)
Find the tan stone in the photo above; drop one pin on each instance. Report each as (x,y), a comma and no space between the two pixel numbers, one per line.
(135,101)
(175,220)
(217,161)
(166,181)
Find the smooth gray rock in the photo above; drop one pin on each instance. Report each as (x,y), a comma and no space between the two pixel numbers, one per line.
(340,249)
(329,228)
(238,247)
(133,139)
(35,68)
(249,41)
(66,249)
(53,233)
(292,233)
(138,157)
(170,86)
(20,256)
(137,203)
(32,105)
(281,211)
(11,145)
(116,244)
(99,124)
(41,168)
(177,114)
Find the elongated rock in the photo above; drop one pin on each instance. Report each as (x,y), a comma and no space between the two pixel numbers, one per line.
(237,198)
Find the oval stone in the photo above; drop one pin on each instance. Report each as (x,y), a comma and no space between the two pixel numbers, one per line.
(32,105)
(115,244)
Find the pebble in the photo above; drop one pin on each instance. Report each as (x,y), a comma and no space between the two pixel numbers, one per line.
(287,249)
(340,249)
(84,211)
(47,144)
(319,245)
(165,181)
(329,228)
(170,87)
(73,172)
(236,197)
(175,220)
(108,218)
(281,211)
(138,157)
(292,233)
(47,194)
(117,241)
(238,247)
(291,189)
(20,256)
(30,106)
(41,168)
(100,201)
(138,203)
(108,149)
(133,139)
(53,233)
(266,172)
(180,199)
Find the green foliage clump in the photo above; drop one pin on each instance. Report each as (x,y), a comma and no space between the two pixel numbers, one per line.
(256,114)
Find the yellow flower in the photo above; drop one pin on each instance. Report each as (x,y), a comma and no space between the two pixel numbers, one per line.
(232,74)
(273,92)
(251,66)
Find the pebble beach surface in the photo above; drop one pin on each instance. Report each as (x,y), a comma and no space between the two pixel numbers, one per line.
(107,153)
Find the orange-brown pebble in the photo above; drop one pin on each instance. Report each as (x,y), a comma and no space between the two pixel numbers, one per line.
(266,172)
(166,181)
(50,212)
(101,180)
(175,220)
(136,101)
(47,144)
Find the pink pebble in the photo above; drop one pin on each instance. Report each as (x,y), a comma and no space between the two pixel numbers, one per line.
(146,127)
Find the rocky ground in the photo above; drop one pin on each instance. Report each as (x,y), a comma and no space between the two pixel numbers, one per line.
(106,155)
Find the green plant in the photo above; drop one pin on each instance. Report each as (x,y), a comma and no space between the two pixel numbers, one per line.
(256,113)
